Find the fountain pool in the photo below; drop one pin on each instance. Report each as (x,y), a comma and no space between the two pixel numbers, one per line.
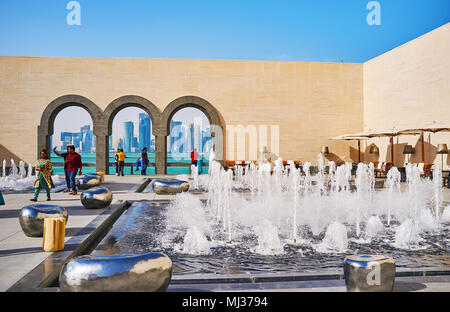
(286,220)
(142,228)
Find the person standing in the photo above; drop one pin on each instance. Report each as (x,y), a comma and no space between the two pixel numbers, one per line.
(67,189)
(144,161)
(73,164)
(194,157)
(116,158)
(44,178)
(121,159)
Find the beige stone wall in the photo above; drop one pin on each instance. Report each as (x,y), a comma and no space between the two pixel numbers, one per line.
(409,87)
(308,102)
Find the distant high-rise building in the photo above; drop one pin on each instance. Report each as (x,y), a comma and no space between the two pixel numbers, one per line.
(66,138)
(206,141)
(197,138)
(176,136)
(70,138)
(129,135)
(76,137)
(190,137)
(151,148)
(198,127)
(145,126)
(183,147)
(135,145)
(86,135)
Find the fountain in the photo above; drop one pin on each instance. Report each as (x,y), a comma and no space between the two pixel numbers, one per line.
(437,182)
(195,177)
(18,179)
(13,173)
(308,221)
(393,186)
(30,171)
(22,171)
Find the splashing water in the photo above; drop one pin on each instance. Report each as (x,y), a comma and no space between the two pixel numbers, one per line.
(268,209)
(374,226)
(335,238)
(18,179)
(407,235)
(30,171)
(22,171)
(268,239)
(393,186)
(437,183)
(195,242)
(195,177)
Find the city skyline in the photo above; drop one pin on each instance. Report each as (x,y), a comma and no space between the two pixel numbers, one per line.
(189,129)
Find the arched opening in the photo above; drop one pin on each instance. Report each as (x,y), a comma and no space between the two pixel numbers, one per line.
(92,116)
(132,132)
(73,126)
(216,132)
(190,131)
(134,105)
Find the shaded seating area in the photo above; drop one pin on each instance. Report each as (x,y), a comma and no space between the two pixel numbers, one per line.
(382,168)
(425,167)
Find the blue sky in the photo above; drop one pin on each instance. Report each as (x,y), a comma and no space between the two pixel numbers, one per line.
(296,30)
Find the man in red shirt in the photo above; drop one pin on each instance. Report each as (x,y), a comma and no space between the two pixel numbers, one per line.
(194,157)
(73,163)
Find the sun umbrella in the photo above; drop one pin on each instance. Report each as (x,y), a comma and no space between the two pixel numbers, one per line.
(353,137)
(434,127)
(390,133)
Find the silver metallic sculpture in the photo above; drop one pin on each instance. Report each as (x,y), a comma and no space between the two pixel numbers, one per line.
(32,217)
(150,272)
(94,175)
(89,180)
(373,273)
(169,186)
(96,197)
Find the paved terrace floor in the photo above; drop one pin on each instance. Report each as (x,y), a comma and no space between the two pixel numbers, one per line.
(19,254)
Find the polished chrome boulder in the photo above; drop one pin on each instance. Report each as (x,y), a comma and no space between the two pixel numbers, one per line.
(88,181)
(150,272)
(96,197)
(374,273)
(169,186)
(32,217)
(93,175)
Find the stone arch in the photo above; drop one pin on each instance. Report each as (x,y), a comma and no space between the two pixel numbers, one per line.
(215,119)
(131,101)
(46,126)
